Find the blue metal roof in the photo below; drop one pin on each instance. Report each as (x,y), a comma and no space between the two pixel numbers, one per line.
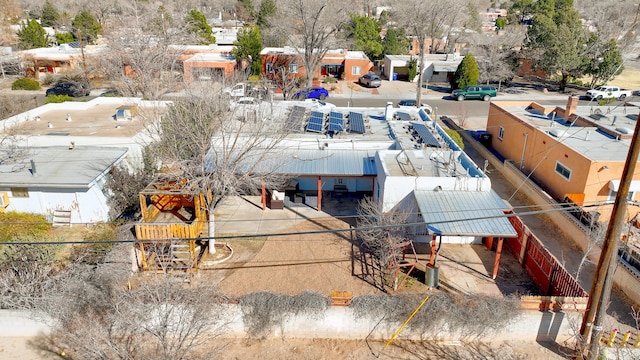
(464,213)
(310,162)
(328,162)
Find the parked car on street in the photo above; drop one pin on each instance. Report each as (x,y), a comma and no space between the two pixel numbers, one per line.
(608,92)
(370,80)
(412,103)
(318,105)
(474,92)
(68,88)
(314,92)
(112,93)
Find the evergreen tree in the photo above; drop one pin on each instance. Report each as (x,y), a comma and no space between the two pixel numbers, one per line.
(197,24)
(266,11)
(390,44)
(31,36)
(49,14)
(86,28)
(248,47)
(466,74)
(366,33)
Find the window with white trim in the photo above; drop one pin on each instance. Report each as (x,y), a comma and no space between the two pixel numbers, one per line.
(501,133)
(356,70)
(269,67)
(563,170)
(293,68)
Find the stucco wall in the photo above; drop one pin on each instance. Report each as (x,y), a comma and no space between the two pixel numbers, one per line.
(568,225)
(342,323)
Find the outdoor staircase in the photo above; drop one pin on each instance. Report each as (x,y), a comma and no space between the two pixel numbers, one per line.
(178,258)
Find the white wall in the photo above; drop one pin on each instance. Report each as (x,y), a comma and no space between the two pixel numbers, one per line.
(342,323)
(86,206)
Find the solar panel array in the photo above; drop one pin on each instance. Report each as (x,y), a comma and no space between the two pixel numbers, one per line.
(296,116)
(426,136)
(336,121)
(356,123)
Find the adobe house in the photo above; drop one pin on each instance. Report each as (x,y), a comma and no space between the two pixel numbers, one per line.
(341,63)
(207,62)
(576,153)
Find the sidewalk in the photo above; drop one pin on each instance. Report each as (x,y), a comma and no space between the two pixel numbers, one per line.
(407,90)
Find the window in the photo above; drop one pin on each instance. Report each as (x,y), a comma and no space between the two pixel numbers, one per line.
(563,171)
(356,70)
(613,194)
(501,133)
(19,192)
(293,68)
(269,67)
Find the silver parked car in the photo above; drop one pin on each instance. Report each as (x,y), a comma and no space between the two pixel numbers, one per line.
(370,80)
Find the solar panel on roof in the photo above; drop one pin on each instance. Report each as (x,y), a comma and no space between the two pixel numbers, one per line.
(314,127)
(426,135)
(295,118)
(317,114)
(356,123)
(315,120)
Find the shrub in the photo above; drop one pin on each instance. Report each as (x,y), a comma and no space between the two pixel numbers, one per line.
(55,99)
(15,224)
(25,84)
(329,80)
(455,137)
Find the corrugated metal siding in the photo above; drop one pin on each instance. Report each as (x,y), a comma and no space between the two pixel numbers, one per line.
(464,213)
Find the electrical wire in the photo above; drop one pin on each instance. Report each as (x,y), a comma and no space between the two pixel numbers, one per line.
(296,233)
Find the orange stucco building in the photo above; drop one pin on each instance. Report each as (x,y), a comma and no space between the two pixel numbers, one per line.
(342,63)
(575,153)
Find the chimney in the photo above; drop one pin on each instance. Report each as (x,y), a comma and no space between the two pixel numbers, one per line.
(33,168)
(572,106)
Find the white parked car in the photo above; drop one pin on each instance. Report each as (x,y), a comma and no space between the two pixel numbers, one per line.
(318,105)
(411,103)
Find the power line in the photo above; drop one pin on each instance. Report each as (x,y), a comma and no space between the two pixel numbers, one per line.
(297,233)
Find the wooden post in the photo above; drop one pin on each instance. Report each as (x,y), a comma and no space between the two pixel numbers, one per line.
(319,193)
(143,205)
(143,258)
(496,263)
(432,257)
(264,196)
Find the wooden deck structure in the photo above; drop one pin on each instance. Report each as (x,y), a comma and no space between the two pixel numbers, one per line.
(174,214)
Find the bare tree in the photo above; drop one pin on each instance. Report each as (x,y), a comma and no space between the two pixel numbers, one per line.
(310,27)
(427,22)
(102,313)
(495,54)
(383,236)
(201,139)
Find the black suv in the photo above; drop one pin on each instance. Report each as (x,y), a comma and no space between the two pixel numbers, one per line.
(68,88)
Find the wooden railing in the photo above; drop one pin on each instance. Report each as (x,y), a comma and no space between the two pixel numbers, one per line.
(151,231)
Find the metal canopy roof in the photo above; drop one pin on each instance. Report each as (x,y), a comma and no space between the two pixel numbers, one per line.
(464,213)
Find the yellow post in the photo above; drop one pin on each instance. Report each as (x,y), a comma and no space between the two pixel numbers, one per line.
(612,337)
(625,338)
(637,343)
(406,322)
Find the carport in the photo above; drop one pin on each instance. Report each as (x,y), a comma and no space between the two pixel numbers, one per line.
(465,214)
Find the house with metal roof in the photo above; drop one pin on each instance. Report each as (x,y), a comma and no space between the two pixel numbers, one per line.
(403,164)
(575,153)
(65,184)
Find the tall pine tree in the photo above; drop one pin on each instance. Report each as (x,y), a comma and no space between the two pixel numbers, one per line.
(466,74)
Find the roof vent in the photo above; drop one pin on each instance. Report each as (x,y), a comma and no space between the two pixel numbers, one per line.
(624,130)
(554,132)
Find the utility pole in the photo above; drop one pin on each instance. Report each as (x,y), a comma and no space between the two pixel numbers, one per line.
(603,280)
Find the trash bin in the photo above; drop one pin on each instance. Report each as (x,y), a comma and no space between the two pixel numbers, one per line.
(485,139)
(431,276)
(394,77)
